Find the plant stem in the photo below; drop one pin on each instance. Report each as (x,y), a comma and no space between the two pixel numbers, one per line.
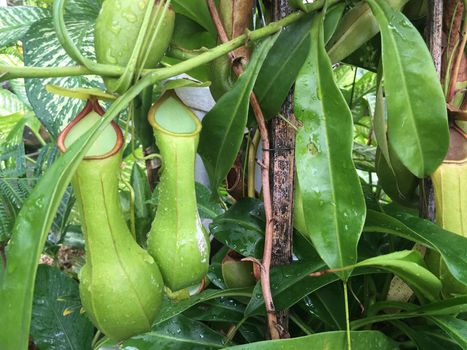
(347,316)
(233,331)
(13,72)
(252,151)
(266,263)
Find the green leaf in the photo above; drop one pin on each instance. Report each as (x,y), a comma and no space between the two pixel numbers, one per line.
(452,247)
(178,333)
(409,266)
(239,229)
(220,310)
(181,83)
(207,208)
(10,104)
(15,22)
(436,309)
(170,309)
(332,19)
(328,340)
(417,118)
(282,65)
(333,203)
(454,327)
(291,283)
(223,127)
(197,11)
(421,340)
(56,319)
(283,278)
(42,49)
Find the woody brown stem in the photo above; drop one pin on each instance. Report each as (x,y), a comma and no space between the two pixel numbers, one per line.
(266,263)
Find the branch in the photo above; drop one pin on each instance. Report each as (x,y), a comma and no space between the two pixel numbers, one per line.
(266,264)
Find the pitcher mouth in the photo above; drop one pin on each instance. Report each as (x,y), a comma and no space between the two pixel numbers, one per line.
(92,105)
(152,117)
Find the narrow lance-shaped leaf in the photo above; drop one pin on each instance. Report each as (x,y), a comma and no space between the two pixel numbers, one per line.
(452,247)
(327,340)
(409,266)
(333,203)
(223,127)
(417,118)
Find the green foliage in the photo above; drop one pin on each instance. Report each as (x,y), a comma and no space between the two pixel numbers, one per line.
(362,135)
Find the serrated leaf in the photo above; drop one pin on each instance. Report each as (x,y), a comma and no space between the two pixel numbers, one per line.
(42,49)
(417,117)
(16,21)
(328,184)
(223,126)
(57,321)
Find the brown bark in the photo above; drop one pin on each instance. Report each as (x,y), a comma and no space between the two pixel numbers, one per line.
(434,41)
(282,177)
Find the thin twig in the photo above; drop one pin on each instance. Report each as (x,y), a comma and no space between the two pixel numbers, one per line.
(267,253)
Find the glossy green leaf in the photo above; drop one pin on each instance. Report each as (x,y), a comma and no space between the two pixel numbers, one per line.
(197,11)
(357,27)
(207,208)
(452,247)
(219,310)
(223,126)
(57,322)
(417,118)
(15,22)
(328,340)
(170,309)
(421,340)
(332,19)
(395,179)
(282,66)
(333,202)
(239,229)
(291,283)
(409,266)
(283,278)
(178,333)
(454,327)
(42,49)
(436,309)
